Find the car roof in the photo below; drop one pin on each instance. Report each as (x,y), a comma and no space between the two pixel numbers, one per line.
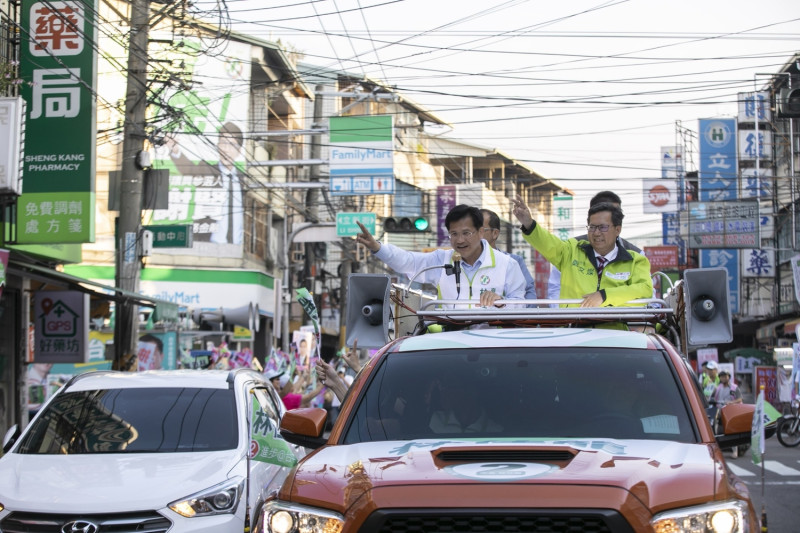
(205,379)
(526,337)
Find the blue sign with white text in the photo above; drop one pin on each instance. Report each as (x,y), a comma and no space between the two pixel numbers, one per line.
(717,169)
(671,234)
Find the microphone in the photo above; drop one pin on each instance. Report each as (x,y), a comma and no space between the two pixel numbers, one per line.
(456,258)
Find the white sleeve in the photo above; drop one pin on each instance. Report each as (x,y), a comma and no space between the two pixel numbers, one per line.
(409,263)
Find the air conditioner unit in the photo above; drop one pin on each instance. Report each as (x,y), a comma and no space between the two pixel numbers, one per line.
(788,103)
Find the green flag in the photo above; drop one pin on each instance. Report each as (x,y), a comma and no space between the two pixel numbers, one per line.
(266,445)
(307,301)
(757,430)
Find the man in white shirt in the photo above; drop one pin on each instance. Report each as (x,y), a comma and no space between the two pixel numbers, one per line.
(486,274)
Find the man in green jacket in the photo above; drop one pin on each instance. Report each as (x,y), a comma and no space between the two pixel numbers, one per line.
(600,271)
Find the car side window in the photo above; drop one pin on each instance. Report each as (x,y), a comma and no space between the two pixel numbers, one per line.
(267,405)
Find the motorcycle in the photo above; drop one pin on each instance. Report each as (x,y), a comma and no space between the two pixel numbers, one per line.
(789,426)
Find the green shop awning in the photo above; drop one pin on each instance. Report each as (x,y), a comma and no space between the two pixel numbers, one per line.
(761,355)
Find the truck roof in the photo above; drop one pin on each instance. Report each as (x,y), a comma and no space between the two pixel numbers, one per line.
(526,337)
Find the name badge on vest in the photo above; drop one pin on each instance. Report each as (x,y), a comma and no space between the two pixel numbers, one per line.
(619,276)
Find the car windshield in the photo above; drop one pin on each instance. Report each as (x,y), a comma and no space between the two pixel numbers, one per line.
(135,420)
(547,393)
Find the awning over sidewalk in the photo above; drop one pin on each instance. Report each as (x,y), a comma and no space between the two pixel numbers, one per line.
(163,310)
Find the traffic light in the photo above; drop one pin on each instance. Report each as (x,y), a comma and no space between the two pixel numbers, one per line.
(405,224)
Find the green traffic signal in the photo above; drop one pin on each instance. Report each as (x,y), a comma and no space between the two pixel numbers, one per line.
(406,224)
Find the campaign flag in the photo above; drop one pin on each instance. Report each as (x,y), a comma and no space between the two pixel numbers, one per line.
(757,430)
(266,445)
(764,414)
(307,301)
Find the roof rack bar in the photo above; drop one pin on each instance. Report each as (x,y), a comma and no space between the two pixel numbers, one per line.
(429,310)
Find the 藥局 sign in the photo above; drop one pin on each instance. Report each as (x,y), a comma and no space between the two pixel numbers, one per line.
(58,63)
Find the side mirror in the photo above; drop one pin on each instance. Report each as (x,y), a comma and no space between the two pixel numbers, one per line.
(304,427)
(736,420)
(11,437)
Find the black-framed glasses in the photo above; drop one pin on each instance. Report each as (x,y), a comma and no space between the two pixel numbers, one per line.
(591,228)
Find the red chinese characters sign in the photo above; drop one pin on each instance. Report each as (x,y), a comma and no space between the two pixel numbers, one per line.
(56,27)
(768,377)
(662,257)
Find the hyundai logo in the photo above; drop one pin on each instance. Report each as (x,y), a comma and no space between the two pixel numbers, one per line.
(80,526)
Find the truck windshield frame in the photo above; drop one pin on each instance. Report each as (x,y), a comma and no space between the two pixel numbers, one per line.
(523,393)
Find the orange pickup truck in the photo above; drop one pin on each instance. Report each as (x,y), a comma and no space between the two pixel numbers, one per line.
(506,429)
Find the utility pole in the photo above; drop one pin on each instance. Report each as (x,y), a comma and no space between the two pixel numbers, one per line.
(130,205)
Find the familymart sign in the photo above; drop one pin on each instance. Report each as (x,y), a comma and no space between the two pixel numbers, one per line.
(361,155)
(58,66)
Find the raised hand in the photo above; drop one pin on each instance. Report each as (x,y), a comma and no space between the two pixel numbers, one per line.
(522,212)
(366,238)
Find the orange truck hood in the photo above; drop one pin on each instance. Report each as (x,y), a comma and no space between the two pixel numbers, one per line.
(644,476)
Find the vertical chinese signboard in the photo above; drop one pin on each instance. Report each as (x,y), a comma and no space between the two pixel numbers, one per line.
(768,377)
(755,143)
(718,181)
(58,65)
(563,220)
(718,170)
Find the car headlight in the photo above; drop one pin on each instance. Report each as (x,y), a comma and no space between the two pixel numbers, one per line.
(219,499)
(283,517)
(722,517)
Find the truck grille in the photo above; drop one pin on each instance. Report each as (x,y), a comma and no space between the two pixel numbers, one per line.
(141,522)
(495,521)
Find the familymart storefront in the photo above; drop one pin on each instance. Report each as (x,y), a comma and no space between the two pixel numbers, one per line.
(194,290)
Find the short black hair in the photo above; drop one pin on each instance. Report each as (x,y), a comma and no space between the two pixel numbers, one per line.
(229,129)
(616,212)
(608,197)
(463,211)
(494,220)
(148,337)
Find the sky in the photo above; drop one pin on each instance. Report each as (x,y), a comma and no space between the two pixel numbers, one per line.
(583,92)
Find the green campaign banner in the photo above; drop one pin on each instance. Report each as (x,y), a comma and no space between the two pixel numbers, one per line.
(266,445)
(58,65)
(307,301)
